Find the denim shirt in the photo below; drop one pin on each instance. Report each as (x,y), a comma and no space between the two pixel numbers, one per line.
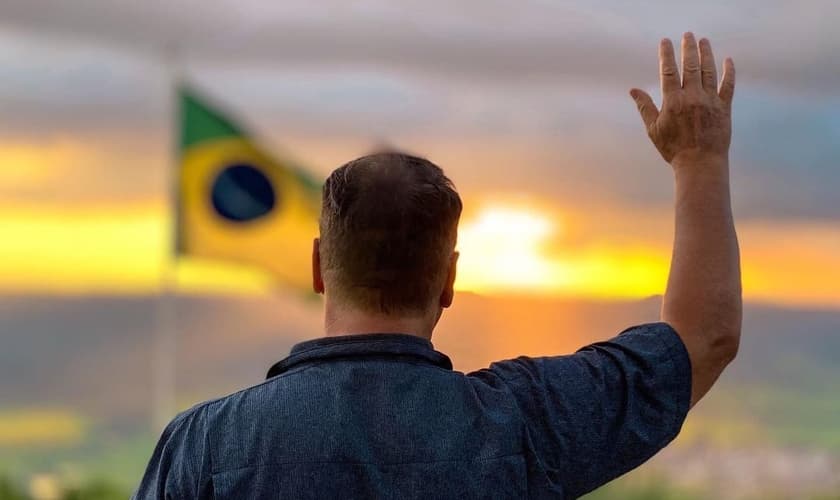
(386,416)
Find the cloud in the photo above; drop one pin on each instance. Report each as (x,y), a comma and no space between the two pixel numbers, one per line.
(531,102)
(604,42)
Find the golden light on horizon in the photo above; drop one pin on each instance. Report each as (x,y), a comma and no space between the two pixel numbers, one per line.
(520,249)
(506,247)
(41,426)
(102,249)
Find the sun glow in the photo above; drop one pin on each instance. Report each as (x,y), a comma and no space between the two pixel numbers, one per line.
(521,249)
(505,247)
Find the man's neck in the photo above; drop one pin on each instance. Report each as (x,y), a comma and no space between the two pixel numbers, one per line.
(350,322)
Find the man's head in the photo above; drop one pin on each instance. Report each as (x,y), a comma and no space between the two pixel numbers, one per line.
(388,228)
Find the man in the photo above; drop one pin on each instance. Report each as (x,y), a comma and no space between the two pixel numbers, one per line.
(371,410)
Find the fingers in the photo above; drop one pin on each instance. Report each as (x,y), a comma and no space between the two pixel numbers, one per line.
(668,73)
(690,62)
(708,71)
(727,83)
(646,107)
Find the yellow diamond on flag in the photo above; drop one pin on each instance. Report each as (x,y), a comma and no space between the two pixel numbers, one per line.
(236,202)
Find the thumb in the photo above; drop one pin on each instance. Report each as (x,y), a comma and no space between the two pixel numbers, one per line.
(646,106)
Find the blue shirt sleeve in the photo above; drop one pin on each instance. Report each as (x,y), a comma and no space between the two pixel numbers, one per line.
(179,467)
(603,411)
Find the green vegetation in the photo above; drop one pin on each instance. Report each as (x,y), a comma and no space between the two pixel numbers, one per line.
(94,489)
(119,459)
(755,414)
(10,491)
(650,489)
(656,488)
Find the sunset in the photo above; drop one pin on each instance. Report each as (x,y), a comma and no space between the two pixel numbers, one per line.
(163,167)
(515,244)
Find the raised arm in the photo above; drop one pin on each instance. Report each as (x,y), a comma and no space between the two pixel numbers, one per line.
(692,132)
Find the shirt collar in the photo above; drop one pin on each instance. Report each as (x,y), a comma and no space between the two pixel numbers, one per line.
(366,344)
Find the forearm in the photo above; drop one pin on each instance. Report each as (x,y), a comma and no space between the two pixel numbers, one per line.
(703,297)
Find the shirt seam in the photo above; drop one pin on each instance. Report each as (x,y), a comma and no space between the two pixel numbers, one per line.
(267,381)
(359,341)
(200,406)
(349,462)
(204,452)
(388,359)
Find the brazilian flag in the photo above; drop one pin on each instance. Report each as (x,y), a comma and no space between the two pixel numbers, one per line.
(236,202)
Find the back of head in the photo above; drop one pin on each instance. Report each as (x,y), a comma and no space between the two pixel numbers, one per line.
(388,229)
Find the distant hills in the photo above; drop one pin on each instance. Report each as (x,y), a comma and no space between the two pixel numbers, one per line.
(94,353)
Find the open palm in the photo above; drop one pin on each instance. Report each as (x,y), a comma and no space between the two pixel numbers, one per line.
(695,119)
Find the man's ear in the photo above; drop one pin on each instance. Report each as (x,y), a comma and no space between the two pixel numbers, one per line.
(317,279)
(448,293)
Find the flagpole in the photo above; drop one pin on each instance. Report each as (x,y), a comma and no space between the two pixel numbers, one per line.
(166,334)
(166,343)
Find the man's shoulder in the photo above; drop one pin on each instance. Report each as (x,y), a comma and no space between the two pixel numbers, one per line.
(197,417)
(188,421)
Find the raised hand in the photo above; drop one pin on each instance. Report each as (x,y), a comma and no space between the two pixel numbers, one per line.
(692,131)
(694,125)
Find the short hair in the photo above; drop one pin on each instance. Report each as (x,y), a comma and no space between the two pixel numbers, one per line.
(389,224)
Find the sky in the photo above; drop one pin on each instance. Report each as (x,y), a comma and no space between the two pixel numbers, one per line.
(524,104)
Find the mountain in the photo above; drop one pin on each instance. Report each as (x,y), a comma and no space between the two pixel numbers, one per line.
(93,351)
